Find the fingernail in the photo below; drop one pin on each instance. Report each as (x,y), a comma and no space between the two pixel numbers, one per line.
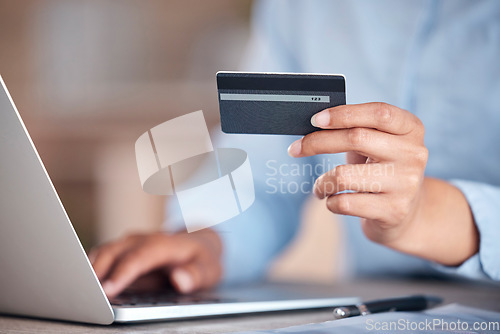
(183,280)
(321,119)
(295,148)
(109,288)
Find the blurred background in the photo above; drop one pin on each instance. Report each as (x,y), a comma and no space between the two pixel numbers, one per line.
(90,76)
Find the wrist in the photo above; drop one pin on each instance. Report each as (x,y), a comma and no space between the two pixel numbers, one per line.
(443,228)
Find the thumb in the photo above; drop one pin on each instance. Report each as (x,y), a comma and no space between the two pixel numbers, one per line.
(186,278)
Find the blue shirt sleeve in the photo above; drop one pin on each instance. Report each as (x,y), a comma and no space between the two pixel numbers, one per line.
(484,201)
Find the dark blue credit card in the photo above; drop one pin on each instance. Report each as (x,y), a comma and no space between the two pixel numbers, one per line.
(275,103)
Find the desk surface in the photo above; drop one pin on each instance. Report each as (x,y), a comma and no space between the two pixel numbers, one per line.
(475,295)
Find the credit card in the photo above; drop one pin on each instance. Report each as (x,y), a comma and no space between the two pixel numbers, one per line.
(275,103)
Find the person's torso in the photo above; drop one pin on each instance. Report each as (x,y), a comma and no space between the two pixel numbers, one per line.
(438,59)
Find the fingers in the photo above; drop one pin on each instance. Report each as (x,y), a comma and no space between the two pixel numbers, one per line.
(378,138)
(381,116)
(103,257)
(195,275)
(156,252)
(204,270)
(381,213)
(364,205)
(372,178)
(185,279)
(191,261)
(376,130)
(368,142)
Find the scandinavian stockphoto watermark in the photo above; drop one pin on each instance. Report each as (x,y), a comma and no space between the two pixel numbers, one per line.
(299,178)
(430,325)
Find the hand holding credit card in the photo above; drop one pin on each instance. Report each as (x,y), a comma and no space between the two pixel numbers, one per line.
(275,103)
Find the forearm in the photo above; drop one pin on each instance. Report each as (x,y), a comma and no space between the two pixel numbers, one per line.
(443,229)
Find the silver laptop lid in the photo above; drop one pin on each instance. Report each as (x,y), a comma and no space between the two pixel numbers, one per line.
(44,271)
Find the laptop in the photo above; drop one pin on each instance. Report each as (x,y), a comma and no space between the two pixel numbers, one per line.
(45,272)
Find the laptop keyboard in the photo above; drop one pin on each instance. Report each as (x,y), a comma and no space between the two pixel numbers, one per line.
(164,298)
